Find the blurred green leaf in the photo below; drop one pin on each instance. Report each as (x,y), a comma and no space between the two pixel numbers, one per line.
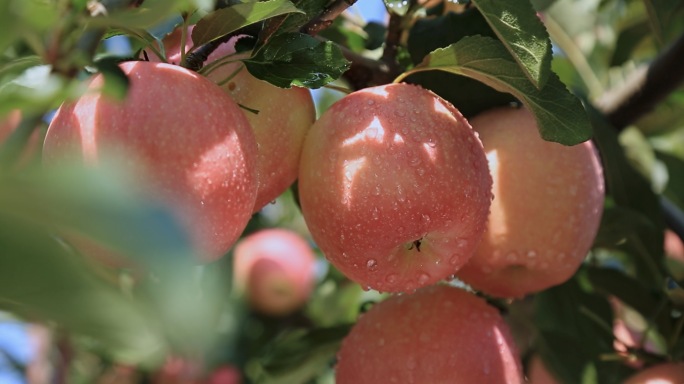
(298,356)
(650,303)
(149,14)
(518,27)
(115,81)
(628,188)
(662,15)
(297,59)
(628,40)
(627,230)
(567,318)
(674,189)
(226,20)
(340,33)
(560,115)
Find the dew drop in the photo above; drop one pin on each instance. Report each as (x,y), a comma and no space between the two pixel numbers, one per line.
(371,102)
(453,260)
(531,254)
(391,278)
(423,278)
(372,265)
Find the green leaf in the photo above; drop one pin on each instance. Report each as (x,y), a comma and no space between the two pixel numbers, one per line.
(674,189)
(629,231)
(299,356)
(559,114)
(650,303)
(662,16)
(567,317)
(627,187)
(294,21)
(226,20)
(518,27)
(148,15)
(115,80)
(297,59)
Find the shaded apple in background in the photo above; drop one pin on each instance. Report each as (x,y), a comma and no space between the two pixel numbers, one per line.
(537,373)
(394,187)
(192,142)
(439,334)
(275,269)
(548,201)
(283,119)
(666,373)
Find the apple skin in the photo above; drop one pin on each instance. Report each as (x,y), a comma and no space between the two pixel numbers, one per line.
(538,373)
(275,268)
(191,138)
(548,202)
(280,126)
(394,187)
(665,373)
(439,334)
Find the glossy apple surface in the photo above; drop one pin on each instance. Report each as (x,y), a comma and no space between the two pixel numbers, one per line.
(439,334)
(282,118)
(666,373)
(275,268)
(394,187)
(191,141)
(548,201)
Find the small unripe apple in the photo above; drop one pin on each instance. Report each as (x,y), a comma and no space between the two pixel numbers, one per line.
(666,373)
(275,269)
(439,334)
(394,187)
(280,118)
(548,201)
(193,143)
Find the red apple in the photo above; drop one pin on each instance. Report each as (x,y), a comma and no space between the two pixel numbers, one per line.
(283,119)
(275,267)
(439,334)
(394,187)
(191,138)
(674,247)
(665,373)
(548,201)
(225,374)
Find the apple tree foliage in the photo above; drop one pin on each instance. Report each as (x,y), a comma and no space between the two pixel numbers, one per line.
(607,70)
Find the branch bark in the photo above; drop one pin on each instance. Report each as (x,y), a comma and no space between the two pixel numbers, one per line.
(647,88)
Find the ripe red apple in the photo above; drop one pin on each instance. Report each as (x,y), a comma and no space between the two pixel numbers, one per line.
(665,373)
(275,268)
(283,119)
(439,334)
(548,201)
(394,187)
(191,138)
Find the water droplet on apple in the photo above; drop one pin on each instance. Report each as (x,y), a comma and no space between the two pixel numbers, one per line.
(423,278)
(370,102)
(453,260)
(391,278)
(372,265)
(531,254)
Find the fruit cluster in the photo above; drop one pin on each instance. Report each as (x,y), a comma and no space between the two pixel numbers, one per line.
(399,191)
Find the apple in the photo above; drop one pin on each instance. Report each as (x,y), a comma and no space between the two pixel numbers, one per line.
(674,247)
(394,187)
(225,374)
(664,373)
(548,201)
(282,118)
(275,269)
(192,139)
(439,334)
(538,373)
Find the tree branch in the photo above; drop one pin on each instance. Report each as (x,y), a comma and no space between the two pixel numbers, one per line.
(327,17)
(647,88)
